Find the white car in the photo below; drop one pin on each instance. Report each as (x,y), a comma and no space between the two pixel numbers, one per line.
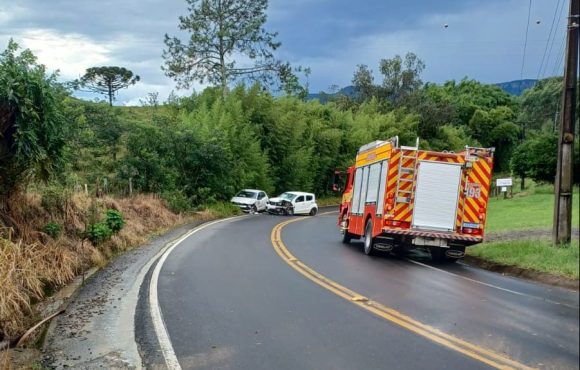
(293,202)
(251,200)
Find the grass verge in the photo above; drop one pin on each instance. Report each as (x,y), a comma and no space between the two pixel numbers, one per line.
(330,201)
(532,209)
(538,255)
(217,210)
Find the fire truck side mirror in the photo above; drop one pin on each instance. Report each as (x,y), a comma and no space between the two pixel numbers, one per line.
(336,188)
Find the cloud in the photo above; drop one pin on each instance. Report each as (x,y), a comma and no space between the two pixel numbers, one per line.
(72,54)
(484,39)
(484,42)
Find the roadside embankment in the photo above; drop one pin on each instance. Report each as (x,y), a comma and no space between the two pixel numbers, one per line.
(533,259)
(53,238)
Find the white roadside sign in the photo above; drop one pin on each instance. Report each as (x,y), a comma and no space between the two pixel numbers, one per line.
(503,182)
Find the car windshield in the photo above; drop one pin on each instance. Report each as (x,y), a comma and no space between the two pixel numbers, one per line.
(247,194)
(287,196)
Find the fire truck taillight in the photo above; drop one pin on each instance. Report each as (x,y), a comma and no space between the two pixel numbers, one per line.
(390,207)
(469,230)
(481,214)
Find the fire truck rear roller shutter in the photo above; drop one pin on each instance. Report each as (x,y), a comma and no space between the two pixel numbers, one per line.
(436,196)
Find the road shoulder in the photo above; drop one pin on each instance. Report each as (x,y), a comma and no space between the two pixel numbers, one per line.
(98,329)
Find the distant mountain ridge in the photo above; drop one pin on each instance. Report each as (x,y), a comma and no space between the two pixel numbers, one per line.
(515,87)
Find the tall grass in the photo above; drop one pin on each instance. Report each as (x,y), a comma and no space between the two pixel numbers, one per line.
(33,262)
(217,210)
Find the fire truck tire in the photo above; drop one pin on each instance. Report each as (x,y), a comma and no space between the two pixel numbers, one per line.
(346,237)
(369,248)
(438,255)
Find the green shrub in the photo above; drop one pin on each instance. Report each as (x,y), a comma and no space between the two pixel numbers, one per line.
(177,201)
(53,199)
(99,232)
(114,219)
(53,229)
(222,209)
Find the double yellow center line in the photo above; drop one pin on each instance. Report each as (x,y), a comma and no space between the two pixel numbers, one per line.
(476,352)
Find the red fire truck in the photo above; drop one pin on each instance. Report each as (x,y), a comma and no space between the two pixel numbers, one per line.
(403,197)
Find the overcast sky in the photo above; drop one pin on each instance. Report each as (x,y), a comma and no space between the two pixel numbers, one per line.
(484,40)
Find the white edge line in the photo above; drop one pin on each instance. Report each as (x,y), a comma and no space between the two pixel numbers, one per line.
(155,310)
(491,285)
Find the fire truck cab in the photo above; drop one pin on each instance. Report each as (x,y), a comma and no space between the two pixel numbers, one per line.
(403,197)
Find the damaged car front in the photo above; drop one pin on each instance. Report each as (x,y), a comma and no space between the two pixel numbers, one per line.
(282,204)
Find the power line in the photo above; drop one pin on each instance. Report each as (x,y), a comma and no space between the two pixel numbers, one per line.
(560,56)
(548,41)
(526,40)
(560,51)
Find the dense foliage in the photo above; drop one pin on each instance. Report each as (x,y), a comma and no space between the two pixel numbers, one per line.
(32,125)
(203,148)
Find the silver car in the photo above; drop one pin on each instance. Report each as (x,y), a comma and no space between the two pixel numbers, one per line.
(251,200)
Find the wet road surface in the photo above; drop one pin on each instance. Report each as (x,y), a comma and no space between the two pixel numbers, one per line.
(230,302)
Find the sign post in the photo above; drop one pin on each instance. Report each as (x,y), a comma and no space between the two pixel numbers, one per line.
(503,185)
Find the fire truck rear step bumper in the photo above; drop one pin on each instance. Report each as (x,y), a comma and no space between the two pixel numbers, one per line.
(431,234)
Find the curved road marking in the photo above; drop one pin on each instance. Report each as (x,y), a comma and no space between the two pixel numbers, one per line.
(476,352)
(156,315)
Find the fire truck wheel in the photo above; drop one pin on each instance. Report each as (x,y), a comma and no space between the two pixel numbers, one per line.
(439,255)
(346,237)
(368,240)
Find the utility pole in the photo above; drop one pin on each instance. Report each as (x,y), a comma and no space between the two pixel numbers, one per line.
(562,231)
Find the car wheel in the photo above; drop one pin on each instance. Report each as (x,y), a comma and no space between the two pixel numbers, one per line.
(290,211)
(253,209)
(368,240)
(313,212)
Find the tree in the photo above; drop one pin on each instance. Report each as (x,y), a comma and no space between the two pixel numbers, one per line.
(536,158)
(106,126)
(290,82)
(221,31)
(401,77)
(107,80)
(32,126)
(495,128)
(541,104)
(364,83)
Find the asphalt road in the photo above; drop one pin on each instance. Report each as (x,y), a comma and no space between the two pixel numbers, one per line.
(229,301)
